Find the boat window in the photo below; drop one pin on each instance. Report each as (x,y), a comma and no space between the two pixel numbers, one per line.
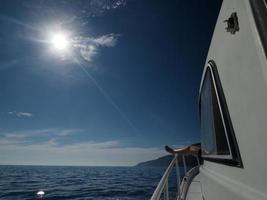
(214,139)
(218,138)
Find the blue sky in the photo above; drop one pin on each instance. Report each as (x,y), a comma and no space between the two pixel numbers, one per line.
(126,86)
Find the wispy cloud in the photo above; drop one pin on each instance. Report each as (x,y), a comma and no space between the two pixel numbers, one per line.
(20,114)
(24,114)
(89,46)
(24,134)
(108,40)
(99,7)
(88,52)
(82,153)
(92,8)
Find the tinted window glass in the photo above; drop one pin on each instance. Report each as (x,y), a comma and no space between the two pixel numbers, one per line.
(214,140)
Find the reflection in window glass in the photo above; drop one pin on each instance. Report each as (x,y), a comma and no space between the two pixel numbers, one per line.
(214,140)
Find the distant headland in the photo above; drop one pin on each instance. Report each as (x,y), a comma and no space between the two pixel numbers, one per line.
(164,161)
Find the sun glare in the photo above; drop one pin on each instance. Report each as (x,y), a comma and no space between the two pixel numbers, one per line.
(60,41)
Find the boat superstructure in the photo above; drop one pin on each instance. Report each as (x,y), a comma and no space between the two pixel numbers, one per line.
(233,108)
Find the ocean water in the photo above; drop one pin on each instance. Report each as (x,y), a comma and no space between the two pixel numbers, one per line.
(78,183)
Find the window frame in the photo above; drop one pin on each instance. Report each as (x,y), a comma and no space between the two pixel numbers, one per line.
(234,158)
(259,8)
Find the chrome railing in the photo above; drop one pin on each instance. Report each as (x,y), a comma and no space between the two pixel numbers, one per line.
(163,185)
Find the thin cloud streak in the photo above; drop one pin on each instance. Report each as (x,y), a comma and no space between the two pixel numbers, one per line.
(108,40)
(107,153)
(20,114)
(24,114)
(55,132)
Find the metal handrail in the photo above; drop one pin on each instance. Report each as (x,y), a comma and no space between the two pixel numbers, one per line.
(164,182)
(162,187)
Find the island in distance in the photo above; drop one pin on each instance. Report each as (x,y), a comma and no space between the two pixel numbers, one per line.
(164,161)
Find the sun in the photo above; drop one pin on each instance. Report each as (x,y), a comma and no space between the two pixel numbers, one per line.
(60,41)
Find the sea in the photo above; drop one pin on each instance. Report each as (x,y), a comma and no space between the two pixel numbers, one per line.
(80,183)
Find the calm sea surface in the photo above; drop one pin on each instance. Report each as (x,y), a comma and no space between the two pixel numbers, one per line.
(77,183)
